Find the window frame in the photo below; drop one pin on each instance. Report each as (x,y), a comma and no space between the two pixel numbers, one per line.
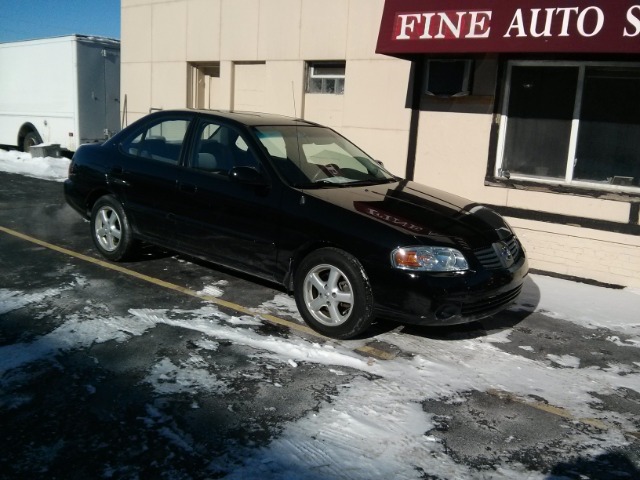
(503,120)
(311,66)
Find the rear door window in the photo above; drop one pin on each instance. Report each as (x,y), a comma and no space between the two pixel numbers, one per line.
(161,141)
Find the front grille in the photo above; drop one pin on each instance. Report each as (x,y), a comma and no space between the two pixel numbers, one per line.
(489,259)
(490,304)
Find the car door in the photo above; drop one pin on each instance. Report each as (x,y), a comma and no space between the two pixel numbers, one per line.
(147,175)
(228,222)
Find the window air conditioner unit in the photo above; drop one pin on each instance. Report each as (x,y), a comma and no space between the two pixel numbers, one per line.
(448,78)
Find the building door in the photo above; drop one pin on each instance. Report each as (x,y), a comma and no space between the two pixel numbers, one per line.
(202,82)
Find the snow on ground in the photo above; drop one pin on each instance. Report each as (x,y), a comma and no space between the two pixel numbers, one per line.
(587,305)
(48,168)
(386,403)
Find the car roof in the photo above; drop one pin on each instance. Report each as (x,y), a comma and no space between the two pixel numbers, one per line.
(250,118)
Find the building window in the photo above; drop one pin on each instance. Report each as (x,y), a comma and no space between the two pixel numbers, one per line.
(573,122)
(326,77)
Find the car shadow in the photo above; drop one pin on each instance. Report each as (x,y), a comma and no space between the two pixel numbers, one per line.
(148,252)
(524,306)
(610,465)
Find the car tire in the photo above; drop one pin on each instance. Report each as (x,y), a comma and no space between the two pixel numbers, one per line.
(333,293)
(110,229)
(30,139)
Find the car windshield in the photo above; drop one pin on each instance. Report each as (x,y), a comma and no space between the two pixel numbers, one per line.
(317,157)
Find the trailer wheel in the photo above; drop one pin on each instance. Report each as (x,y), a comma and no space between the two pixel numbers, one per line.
(29,140)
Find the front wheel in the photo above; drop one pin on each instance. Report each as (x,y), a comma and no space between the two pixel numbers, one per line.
(110,229)
(333,293)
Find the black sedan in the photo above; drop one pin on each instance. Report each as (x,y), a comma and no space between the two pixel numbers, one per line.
(295,203)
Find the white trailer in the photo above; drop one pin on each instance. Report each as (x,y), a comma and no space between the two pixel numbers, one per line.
(59,90)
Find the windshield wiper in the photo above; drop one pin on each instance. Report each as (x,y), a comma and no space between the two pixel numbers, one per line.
(318,184)
(371,181)
(355,183)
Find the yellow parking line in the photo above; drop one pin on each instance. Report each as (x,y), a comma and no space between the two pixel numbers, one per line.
(162,283)
(363,350)
(553,410)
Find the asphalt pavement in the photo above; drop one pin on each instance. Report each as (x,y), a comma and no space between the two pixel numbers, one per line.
(167,367)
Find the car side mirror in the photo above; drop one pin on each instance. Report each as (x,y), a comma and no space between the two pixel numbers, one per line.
(248,176)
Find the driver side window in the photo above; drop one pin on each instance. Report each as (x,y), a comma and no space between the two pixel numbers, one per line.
(219,148)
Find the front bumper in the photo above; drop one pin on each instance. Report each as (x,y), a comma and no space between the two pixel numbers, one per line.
(448,299)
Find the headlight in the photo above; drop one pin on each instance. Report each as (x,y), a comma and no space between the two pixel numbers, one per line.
(429,259)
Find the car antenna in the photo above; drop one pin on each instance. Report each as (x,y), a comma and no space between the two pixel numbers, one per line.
(295,113)
(293,96)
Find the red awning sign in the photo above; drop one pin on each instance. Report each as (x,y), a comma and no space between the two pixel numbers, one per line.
(483,26)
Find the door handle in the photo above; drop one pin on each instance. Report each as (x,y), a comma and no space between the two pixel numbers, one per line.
(119,181)
(187,188)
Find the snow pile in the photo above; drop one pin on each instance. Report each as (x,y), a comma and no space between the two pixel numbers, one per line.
(22,163)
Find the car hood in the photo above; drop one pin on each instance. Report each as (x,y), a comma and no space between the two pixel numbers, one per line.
(428,214)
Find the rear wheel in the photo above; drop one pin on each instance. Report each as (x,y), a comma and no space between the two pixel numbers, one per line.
(110,229)
(29,140)
(333,293)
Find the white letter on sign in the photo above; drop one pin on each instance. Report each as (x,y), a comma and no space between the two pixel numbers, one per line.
(518,24)
(408,25)
(599,25)
(480,25)
(455,29)
(566,13)
(427,26)
(547,24)
(634,21)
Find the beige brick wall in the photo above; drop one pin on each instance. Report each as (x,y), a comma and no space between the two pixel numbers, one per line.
(581,252)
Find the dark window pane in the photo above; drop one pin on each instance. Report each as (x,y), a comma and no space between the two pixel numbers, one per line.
(329,69)
(328,85)
(609,135)
(540,112)
(315,85)
(211,71)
